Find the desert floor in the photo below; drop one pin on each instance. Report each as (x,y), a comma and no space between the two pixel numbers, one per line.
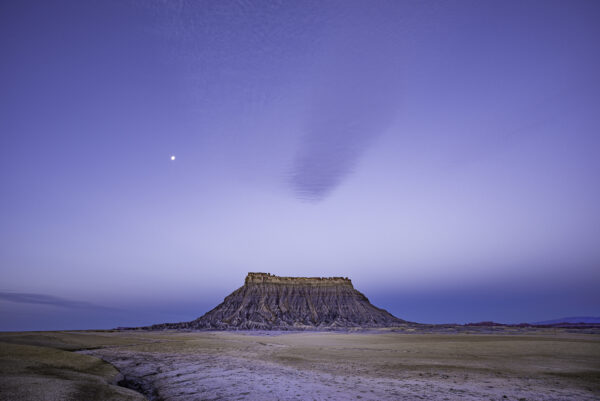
(513,364)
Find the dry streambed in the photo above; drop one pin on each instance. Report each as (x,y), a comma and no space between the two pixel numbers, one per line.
(39,373)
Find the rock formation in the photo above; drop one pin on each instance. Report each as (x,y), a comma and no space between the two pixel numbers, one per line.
(269,302)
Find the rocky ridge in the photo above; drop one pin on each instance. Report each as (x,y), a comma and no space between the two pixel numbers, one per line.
(270,302)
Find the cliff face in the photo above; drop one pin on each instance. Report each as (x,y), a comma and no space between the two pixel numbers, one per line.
(271,302)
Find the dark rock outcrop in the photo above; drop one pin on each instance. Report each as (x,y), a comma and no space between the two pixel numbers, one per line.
(269,302)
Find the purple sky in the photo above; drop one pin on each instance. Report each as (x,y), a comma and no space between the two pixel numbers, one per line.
(444,155)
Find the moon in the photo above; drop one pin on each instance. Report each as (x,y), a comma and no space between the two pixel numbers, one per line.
(172,158)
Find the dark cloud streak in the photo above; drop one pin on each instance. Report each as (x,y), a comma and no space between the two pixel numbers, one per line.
(43,299)
(354,99)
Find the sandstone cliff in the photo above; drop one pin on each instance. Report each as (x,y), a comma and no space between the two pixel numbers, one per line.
(270,302)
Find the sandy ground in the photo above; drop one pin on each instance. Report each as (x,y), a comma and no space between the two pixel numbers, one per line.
(509,364)
(385,366)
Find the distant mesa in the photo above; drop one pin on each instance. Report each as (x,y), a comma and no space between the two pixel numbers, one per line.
(572,320)
(269,302)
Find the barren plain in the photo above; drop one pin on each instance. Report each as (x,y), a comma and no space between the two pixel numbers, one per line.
(388,364)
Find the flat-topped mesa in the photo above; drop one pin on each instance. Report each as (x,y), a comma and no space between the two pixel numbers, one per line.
(268,278)
(269,302)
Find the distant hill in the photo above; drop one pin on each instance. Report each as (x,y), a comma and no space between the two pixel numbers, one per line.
(572,319)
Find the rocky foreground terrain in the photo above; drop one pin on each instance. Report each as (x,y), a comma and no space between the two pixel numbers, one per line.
(405,364)
(269,302)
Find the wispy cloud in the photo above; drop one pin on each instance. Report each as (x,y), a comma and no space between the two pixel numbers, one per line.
(354,99)
(43,299)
